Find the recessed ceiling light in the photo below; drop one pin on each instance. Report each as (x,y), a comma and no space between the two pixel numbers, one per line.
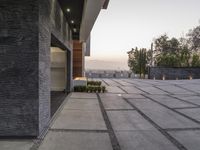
(68,9)
(72,21)
(74,29)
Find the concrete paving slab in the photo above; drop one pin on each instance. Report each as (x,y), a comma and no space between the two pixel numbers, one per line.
(190,98)
(144,140)
(111,82)
(192,87)
(175,90)
(170,102)
(164,117)
(122,83)
(110,96)
(192,112)
(132,90)
(79,119)
(114,89)
(82,104)
(137,82)
(114,101)
(15,144)
(128,121)
(116,104)
(153,90)
(145,104)
(76,141)
(190,139)
(133,96)
(83,95)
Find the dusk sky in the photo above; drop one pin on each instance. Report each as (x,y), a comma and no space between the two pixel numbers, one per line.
(130,23)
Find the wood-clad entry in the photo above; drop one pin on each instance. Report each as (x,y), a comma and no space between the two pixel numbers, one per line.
(78,59)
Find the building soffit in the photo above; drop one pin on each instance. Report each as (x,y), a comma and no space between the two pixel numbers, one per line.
(81,15)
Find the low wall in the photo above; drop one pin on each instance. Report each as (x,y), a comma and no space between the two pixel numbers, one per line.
(174,73)
(109,74)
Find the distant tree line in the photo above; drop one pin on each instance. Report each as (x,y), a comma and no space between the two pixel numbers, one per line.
(183,52)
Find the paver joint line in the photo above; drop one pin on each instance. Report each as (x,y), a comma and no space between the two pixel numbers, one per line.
(163,90)
(82,98)
(117,82)
(122,89)
(113,138)
(181,129)
(78,130)
(184,100)
(120,109)
(106,82)
(174,110)
(185,88)
(186,107)
(167,135)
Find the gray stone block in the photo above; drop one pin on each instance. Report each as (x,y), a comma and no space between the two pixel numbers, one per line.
(144,140)
(15,144)
(191,112)
(82,104)
(128,121)
(190,139)
(80,119)
(170,102)
(164,117)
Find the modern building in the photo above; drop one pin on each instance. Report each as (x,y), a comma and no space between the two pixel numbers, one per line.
(42,48)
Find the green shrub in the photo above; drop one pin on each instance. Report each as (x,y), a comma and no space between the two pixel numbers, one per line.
(90,88)
(80,89)
(99,89)
(103,88)
(87,89)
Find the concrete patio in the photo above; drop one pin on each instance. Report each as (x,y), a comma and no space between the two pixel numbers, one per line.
(132,115)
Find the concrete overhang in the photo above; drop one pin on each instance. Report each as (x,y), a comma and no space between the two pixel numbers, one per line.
(91,11)
(105,5)
(81,15)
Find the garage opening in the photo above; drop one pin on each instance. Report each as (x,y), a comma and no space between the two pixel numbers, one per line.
(58,77)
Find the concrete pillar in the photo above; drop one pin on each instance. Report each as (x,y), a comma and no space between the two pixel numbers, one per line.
(24,67)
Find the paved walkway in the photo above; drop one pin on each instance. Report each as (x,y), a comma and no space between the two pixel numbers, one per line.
(132,115)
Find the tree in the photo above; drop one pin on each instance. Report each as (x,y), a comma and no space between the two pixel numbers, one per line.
(137,60)
(194,38)
(161,44)
(172,52)
(165,45)
(167,60)
(195,60)
(184,57)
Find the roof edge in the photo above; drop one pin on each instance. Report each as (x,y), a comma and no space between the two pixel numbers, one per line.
(105,5)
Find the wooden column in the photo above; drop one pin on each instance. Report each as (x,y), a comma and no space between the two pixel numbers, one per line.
(78,59)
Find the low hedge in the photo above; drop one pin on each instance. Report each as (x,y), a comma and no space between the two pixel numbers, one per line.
(94,83)
(90,89)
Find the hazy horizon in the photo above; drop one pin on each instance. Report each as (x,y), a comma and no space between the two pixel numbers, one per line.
(130,23)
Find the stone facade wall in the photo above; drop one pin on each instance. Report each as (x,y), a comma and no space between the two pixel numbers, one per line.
(19,68)
(26,28)
(174,73)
